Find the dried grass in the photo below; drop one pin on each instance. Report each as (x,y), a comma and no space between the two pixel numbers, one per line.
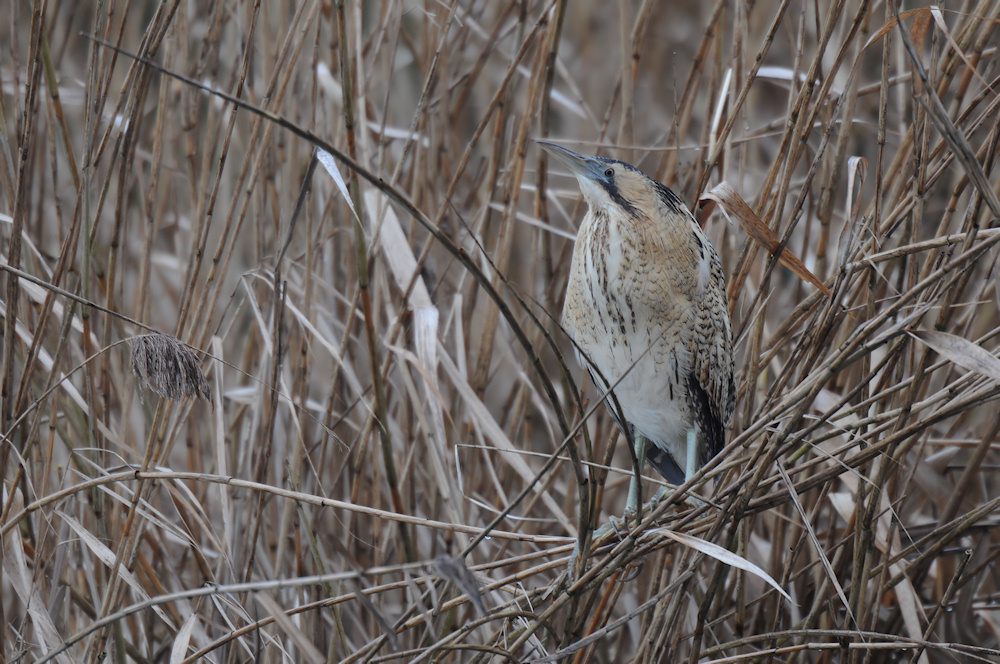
(395,422)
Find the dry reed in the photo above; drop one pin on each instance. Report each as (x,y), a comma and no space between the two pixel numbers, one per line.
(395,450)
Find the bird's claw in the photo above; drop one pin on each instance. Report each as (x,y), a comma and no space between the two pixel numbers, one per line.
(617,526)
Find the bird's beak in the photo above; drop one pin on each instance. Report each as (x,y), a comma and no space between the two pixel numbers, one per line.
(580,165)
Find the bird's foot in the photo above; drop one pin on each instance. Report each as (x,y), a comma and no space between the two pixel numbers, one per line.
(619,526)
(616,527)
(663,493)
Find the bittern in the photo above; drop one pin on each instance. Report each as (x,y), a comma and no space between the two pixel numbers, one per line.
(646,305)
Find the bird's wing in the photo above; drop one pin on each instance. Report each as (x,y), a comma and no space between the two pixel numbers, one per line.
(665,464)
(711,386)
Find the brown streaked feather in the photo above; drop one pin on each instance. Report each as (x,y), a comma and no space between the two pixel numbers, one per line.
(713,359)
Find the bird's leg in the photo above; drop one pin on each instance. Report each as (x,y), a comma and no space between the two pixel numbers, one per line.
(690,468)
(691,464)
(618,524)
(641,445)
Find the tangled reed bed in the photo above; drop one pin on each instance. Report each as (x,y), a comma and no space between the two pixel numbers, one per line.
(393,442)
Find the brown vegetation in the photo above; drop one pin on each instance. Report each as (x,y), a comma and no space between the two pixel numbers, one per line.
(391,420)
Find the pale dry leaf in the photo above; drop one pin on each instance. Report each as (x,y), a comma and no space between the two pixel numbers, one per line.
(221,454)
(406,272)
(779,73)
(331,345)
(857,171)
(831,575)
(178,653)
(327,83)
(909,606)
(437,457)
(962,352)
(723,555)
(398,253)
(720,110)
(534,221)
(16,572)
(107,556)
(26,336)
(481,416)
(307,651)
(330,165)
(456,571)
(39,294)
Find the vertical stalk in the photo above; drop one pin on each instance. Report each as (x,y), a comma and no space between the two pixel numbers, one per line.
(361,262)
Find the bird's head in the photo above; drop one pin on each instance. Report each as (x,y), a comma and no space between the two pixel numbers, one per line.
(608,183)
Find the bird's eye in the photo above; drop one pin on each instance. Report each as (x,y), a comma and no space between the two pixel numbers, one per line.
(608,172)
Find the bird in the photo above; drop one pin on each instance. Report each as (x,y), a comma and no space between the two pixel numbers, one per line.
(646,308)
